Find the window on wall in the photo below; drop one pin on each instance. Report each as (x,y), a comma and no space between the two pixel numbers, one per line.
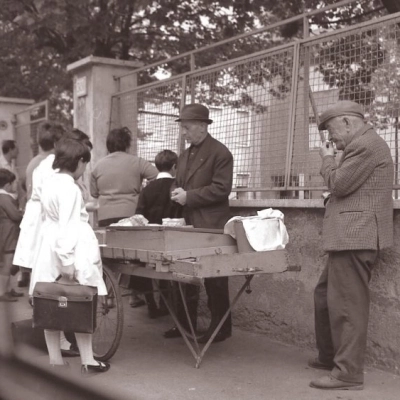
(242,128)
(314,141)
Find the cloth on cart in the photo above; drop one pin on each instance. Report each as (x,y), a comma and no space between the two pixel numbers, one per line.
(264,231)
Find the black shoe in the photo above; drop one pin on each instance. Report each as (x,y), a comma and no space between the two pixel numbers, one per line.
(220,337)
(7,299)
(13,293)
(172,333)
(137,303)
(94,369)
(72,352)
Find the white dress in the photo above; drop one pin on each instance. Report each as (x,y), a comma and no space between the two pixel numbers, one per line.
(30,224)
(66,237)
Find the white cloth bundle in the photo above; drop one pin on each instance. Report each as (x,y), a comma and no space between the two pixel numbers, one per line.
(265,231)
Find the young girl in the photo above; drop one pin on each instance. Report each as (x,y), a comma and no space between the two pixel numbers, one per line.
(67,245)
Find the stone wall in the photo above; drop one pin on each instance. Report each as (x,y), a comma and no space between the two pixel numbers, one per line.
(281,305)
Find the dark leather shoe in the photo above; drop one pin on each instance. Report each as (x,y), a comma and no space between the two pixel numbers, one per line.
(330,383)
(6,298)
(137,303)
(315,363)
(172,333)
(72,352)
(220,337)
(13,293)
(94,369)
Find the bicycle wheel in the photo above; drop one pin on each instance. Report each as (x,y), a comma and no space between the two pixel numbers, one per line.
(110,319)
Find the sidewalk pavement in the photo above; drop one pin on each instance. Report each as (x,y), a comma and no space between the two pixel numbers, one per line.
(247,366)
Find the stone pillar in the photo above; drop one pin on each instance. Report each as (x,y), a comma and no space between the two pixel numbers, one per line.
(94,84)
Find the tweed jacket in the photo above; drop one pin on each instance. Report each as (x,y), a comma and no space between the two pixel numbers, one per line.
(208,183)
(359,214)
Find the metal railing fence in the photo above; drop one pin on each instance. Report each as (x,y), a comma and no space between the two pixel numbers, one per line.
(265,104)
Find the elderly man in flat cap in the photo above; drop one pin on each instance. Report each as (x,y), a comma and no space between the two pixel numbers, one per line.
(358,223)
(204,181)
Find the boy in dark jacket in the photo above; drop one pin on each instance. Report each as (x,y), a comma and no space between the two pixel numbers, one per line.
(155,204)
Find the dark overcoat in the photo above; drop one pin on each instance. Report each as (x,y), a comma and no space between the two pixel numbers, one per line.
(208,183)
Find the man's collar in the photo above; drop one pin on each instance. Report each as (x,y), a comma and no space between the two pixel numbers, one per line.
(2,191)
(164,175)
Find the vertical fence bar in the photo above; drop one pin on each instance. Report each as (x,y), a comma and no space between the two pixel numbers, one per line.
(135,119)
(181,141)
(292,112)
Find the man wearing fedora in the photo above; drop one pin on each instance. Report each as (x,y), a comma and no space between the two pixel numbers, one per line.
(358,223)
(204,181)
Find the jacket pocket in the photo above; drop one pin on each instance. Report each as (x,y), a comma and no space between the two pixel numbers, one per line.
(358,224)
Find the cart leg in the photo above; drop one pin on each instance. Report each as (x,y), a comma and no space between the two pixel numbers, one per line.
(223,319)
(195,352)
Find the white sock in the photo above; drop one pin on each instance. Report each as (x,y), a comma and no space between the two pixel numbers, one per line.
(65,345)
(84,341)
(53,346)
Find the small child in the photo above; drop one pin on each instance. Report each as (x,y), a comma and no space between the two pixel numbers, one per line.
(155,204)
(155,199)
(10,217)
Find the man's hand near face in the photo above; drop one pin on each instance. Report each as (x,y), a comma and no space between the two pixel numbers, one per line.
(326,149)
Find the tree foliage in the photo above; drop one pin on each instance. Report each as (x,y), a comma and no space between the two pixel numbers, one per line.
(39,38)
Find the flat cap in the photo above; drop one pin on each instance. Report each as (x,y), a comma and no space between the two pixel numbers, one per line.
(344,107)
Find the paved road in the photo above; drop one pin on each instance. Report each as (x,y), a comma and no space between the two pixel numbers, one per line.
(248,366)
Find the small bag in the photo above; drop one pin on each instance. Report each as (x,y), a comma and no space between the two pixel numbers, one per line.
(64,306)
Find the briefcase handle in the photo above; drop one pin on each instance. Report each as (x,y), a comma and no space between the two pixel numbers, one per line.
(66,281)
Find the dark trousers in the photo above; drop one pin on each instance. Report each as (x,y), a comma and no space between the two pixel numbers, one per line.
(341,312)
(218,302)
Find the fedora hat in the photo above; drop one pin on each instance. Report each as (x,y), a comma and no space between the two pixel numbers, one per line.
(344,107)
(194,112)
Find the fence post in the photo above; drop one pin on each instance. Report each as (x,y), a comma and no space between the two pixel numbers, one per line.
(94,84)
(292,112)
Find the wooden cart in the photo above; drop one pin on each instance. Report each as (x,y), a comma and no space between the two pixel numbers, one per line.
(178,254)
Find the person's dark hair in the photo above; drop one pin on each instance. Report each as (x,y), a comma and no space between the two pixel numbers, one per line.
(69,152)
(6,176)
(165,160)
(8,145)
(49,133)
(119,140)
(77,134)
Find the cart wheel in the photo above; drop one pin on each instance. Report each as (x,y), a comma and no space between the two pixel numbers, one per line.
(206,322)
(110,319)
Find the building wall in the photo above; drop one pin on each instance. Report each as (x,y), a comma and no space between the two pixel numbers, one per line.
(281,305)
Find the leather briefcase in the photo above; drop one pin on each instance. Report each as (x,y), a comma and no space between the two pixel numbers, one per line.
(65,306)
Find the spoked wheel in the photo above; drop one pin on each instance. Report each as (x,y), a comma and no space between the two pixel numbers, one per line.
(110,319)
(205,322)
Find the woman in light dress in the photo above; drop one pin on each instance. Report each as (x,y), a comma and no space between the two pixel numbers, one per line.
(67,245)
